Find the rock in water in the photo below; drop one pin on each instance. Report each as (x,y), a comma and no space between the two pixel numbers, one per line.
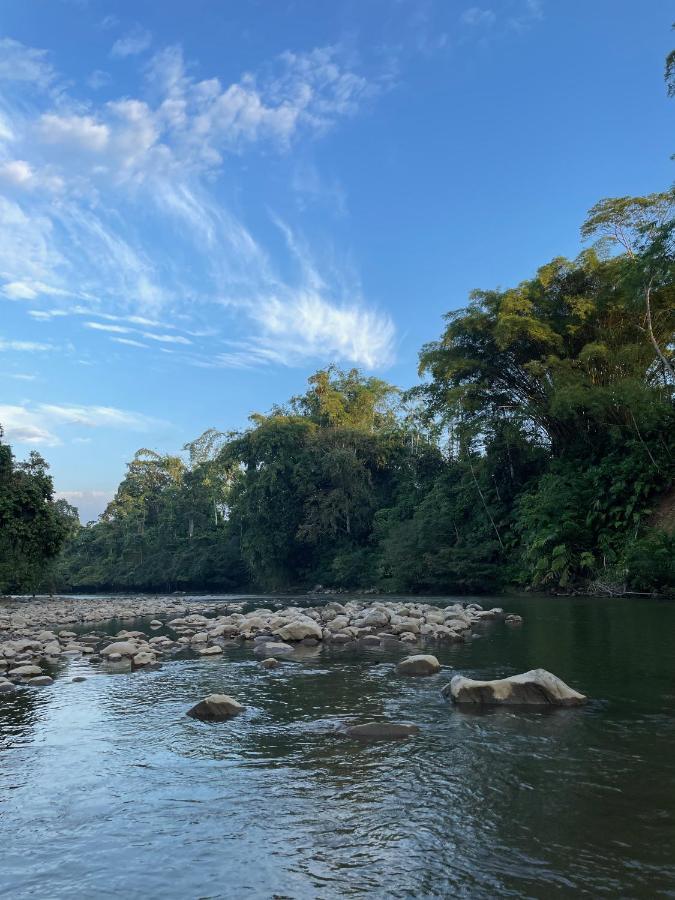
(299,629)
(26,671)
(273,648)
(535,688)
(420,664)
(144,659)
(215,708)
(379,731)
(123,648)
(270,663)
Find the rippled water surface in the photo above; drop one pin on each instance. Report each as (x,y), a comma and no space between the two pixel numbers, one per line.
(108,789)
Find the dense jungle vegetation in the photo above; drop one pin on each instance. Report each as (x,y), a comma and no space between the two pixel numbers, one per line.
(536,451)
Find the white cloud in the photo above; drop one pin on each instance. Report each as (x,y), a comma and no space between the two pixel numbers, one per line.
(19,63)
(96,416)
(98,326)
(19,174)
(531,11)
(19,290)
(23,426)
(310,326)
(133,43)
(90,504)
(167,338)
(137,235)
(129,342)
(108,22)
(41,424)
(30,290)
(99,79)
(474,15)
(46,315)
(24,346)
(74,132)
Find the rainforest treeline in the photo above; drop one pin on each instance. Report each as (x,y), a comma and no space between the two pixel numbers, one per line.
(536,452)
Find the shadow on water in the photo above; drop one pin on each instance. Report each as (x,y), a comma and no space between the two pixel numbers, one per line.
(106,786)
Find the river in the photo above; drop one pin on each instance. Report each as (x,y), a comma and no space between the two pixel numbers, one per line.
(108,789)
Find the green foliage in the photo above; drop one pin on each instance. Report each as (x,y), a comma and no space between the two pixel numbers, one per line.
(650,562)
(33,527)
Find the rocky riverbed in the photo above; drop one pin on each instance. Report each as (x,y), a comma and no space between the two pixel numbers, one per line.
(35,635)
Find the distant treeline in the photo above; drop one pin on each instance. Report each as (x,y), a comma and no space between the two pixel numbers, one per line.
(533,453)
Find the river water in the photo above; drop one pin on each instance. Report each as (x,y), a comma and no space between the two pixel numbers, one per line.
(108,789)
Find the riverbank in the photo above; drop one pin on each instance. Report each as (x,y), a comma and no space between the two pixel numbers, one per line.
(35,634)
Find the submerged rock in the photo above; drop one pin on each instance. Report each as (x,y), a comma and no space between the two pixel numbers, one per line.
(215,708)
(375,731)
(420,664)
(270,663)
(534,688)
(144,659)
(273,648)
(215,650)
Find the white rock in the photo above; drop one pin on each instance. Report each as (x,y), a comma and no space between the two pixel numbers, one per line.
(421,664)
(211,651)
(300,629)
(216,708)
(534,688)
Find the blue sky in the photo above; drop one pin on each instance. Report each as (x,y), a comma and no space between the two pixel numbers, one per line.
(201,203)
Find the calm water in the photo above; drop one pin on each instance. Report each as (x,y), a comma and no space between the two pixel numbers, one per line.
(108,789)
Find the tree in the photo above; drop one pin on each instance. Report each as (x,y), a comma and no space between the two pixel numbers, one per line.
(33,527)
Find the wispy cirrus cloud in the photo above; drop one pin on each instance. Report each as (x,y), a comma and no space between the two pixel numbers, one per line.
(42,424)
(476,16)
(136,41)
(20,63)
(24,346)
(157,158)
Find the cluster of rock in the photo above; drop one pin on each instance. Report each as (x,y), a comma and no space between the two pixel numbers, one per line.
(60,612)
(28,650)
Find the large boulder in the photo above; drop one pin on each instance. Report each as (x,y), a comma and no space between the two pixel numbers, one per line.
(272,648)
(378,731)
(299,629)
(420,664)
(535,688)
(215,708)
(123,648)
(27,671)
(377,617)
(144,658)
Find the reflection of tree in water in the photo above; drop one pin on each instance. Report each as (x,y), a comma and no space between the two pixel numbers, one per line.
(19,714)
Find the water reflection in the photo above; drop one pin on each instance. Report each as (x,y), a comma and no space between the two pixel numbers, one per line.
(106,786)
